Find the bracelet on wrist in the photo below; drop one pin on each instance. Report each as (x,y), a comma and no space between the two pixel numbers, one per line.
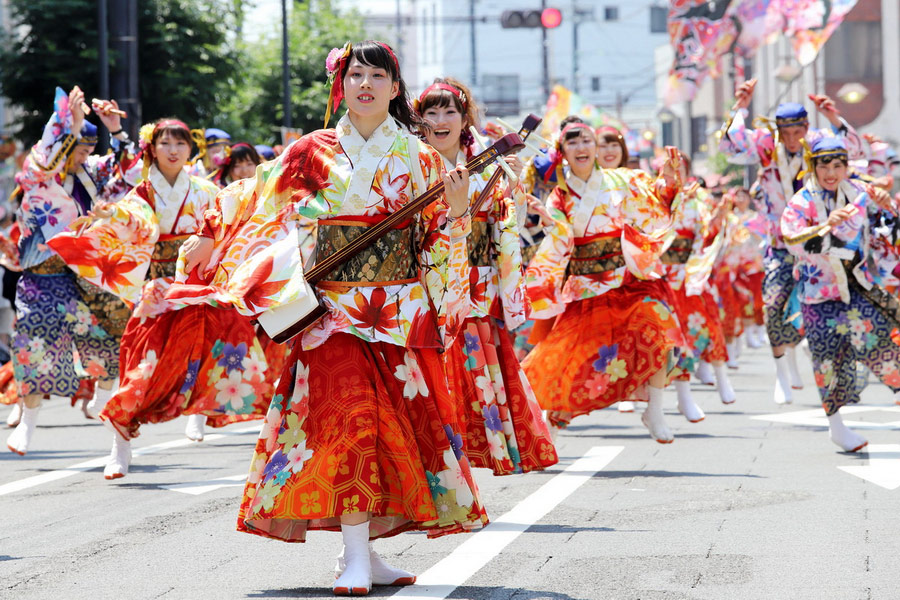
(115,133)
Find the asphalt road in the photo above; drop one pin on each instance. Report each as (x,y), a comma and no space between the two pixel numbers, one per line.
(751,503)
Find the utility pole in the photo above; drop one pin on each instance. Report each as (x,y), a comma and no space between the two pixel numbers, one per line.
(473,66)
(103,58)
(285,67)
(124,81)
(545,77)
(399,27)
(577,14)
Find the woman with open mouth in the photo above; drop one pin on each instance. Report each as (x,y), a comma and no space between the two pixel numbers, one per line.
(498,413)
(595,274)
(359,436)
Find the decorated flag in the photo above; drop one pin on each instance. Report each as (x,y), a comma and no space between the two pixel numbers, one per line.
(563,102)
(809,24)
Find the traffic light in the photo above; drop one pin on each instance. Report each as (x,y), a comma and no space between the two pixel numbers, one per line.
(549,18)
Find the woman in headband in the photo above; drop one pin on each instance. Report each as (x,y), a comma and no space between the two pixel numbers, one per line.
(199,361)
(848,318)
(240,164)
(360,432)
(501,421)
(595,274)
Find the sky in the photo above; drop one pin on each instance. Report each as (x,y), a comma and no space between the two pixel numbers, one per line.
(264,15)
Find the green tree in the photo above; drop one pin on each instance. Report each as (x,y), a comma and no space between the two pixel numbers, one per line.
(186,51)
(255,108)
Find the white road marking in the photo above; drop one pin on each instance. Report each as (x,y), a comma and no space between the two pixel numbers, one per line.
(195,488)
(883,468)
(30,482)
(439,581)
(816,417)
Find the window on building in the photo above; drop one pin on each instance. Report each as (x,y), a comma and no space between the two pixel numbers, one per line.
(698,135)
(668,134)
(611,13)
(854,52)
(595,84)
(659,16)
(500,94)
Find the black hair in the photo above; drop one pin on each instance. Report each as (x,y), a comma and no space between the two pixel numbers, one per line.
(381,56)
(826,160)
(240,152)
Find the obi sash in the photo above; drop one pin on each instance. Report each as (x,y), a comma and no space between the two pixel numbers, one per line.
(478,242)
(679,252)
(52,266)
(596,254)
(112,314)
(165,255)
(390,260)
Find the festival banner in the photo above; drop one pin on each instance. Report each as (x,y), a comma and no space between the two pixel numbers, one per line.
(564,102)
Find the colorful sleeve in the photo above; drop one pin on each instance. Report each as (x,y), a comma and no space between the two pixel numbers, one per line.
(647,230)
(799,224)
(443,256)
(739,142)
(856,148)
(49,155)
(546,272)
(504,215)
(112,253)
(706,248)
(255,264)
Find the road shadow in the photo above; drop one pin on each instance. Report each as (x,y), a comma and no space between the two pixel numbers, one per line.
(460,593)
(666,474)
(645,435)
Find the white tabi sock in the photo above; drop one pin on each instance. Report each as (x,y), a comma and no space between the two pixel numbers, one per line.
(654,419)
(626,406)
(705,373)
(783,393)
(382,573)
(194,428)
(356,580)
(19,440)
(119,458)
(15,416)
(726,392)
(98,402)
(796,380)
(843,436)
(733,353)
(686,404)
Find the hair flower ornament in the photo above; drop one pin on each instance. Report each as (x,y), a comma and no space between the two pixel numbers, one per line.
(334,64)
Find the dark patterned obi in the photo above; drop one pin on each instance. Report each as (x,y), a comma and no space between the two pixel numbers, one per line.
(679,252)
(165,255)
(596,254)
(111,312)
(478,242)
(390,260)
(52,266)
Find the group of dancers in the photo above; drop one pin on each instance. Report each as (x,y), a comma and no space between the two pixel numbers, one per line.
(464,335)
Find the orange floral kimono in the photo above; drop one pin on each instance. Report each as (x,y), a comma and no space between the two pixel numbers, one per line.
(362,419)
(174,360)
(597,274)
(497,409)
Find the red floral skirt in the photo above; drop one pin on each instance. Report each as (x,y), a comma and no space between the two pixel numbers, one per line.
(496,409)
(749,288)
(731,309)
(360,426)
(701,326)
(197,360)
(604,349)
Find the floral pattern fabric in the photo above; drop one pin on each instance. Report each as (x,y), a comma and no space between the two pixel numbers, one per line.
(778,285)
(55,333)
(360,426)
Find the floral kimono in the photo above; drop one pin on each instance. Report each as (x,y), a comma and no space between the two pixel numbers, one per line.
(778,183)
(727,273)
(750,273)
(596,273)
(836,287)
(196,360)
(688,265)
(362,417)
(498,412)
(58,339)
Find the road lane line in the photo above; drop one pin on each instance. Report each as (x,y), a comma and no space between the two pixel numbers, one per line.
(196,488)
(468,558)
(36,480)
(883,468)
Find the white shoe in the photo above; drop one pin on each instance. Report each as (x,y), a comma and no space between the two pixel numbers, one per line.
(754,338)
(119,458)
(726,392)
(733,353)
(686,404)
(15,416)
(843,436)
(804,345)
(194,428)
(626,406)
(98,402)
(796,380)
(356,578)
(783,394)
(654,420)
(382,573)
(705,373)
(19,440)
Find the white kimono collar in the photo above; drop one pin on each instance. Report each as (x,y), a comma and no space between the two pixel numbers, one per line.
(365,156)
(171,195)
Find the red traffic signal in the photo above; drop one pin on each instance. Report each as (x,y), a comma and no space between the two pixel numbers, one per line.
(551,18)
(548,18)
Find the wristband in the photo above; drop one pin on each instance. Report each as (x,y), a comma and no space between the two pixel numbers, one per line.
(115,133)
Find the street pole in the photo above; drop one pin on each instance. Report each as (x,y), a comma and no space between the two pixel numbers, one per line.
(285,67)
(545,79)
(473,67)
(124,77)
(103,58)
(575,49)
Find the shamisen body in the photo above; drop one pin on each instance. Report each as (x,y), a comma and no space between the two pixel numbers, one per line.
(357,435)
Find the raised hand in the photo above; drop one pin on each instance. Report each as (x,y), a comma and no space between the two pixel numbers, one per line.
(826,106)
(744,94)
(456,190)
